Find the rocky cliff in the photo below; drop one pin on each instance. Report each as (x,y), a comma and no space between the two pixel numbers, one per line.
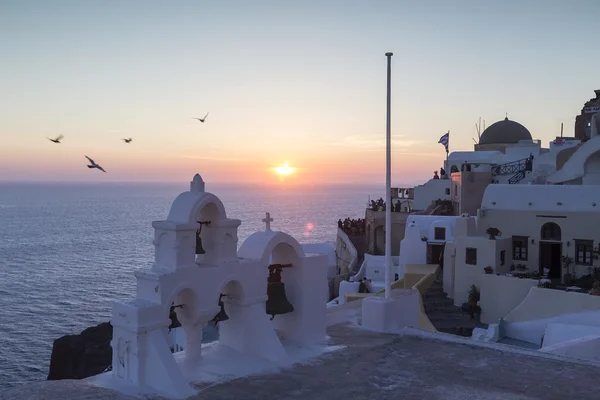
(83,355)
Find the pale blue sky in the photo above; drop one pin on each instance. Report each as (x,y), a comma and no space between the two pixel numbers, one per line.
(302,81)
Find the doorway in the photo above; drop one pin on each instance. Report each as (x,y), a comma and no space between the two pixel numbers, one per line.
(435,253)
(550,254)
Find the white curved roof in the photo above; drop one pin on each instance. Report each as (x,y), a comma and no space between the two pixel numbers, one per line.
(574,167)
(542,198)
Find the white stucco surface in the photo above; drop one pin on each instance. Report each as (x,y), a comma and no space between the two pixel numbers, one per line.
(501,294)
(559,332)
(575,167)
(542,198)
(585,348)
(194,283)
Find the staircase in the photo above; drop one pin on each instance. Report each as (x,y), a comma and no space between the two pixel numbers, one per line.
(517,168)
(444,315)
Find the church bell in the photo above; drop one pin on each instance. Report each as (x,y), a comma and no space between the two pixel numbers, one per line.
(221,315)
(277,302)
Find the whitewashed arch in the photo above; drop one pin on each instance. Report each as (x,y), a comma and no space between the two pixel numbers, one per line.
(260,245)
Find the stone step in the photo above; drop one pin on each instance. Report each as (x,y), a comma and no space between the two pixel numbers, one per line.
(435,295)
(440,309)
(445,317)
(445,304)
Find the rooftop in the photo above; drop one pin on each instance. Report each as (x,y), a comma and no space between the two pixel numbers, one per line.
(413,365)
(553,198)
(505,131)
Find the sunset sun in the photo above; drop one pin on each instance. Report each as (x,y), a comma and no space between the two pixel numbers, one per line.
(284,169)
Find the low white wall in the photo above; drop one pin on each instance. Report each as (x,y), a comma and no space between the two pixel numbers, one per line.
(501,294)
(543,303)
(586,348)
(558,332)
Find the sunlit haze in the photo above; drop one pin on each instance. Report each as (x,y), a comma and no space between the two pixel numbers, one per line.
(302,82)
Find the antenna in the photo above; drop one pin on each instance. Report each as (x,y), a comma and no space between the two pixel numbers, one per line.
(561,129)
(478,127)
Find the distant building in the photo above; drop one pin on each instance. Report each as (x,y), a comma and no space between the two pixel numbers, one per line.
(583,122)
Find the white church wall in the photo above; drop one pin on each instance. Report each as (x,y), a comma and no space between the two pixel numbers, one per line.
(431,190)
(194,284)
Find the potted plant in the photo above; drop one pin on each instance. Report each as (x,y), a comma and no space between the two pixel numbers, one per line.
(493,233)
(488,270)
(472,305)
(567,261)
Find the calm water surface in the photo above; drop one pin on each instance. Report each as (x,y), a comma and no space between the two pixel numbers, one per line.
(68,251)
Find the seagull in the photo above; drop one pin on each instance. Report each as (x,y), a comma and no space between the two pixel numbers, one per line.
(128,140)
(94,165)
(201,119)
(57,140)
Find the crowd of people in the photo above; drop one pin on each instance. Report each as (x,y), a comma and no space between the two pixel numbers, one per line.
(380,205)
(352,226)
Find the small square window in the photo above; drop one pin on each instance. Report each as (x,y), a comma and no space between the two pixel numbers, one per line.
(439,233)
(471,256)
(520,245)
(583,252)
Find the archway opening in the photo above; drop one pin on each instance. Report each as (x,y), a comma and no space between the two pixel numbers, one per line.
(183,312)
(206,218)
(550,257)
(283,286)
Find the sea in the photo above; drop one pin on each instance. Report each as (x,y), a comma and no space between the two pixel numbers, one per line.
(68,250)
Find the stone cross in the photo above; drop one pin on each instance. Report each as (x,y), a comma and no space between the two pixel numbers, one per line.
(267,220)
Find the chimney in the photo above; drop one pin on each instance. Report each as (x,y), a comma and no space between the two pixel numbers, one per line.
(597,91)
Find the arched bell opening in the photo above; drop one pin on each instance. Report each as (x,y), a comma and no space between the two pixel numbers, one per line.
(230,293)
(205,217)
(184,333)
(282,284)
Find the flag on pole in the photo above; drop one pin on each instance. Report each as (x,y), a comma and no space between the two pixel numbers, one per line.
(445,140)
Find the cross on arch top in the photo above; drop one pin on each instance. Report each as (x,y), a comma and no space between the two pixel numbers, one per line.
(267,220)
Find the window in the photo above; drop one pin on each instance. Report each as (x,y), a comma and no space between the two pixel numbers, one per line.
(520,247)
(471,256)
(583,252)
(439,233)
(502,257)
(550,231)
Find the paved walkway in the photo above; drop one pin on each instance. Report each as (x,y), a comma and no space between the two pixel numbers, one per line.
(376,366)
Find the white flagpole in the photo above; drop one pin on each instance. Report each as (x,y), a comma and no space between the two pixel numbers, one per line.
(388,183)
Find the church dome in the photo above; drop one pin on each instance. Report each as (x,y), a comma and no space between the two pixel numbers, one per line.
(503,132)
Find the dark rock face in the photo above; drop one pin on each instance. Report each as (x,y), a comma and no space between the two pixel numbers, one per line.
(83,355)
(89,353)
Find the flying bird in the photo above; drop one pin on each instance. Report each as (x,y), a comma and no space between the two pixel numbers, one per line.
(201,119)
(57,140)
(94,165)
(128,140)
